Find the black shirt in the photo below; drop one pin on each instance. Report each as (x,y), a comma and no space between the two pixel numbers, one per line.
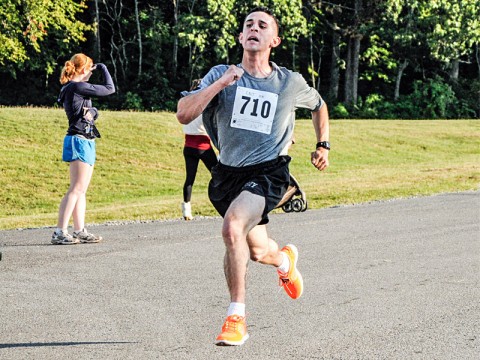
(76,96)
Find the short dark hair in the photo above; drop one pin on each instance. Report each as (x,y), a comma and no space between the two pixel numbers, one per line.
(266,10)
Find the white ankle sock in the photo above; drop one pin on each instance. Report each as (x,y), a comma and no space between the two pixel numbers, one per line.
(285,266)
(236,309)
(59,231)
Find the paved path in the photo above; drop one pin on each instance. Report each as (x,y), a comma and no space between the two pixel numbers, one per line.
(387,280)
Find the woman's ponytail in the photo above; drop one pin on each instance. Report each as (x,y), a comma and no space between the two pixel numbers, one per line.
(73,67)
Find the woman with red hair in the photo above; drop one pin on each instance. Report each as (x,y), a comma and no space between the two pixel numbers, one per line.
(79,148)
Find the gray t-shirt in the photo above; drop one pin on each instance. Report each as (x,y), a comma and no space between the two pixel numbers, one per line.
(252,121)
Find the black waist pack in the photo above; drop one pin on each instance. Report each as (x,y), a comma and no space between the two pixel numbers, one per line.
(88,121)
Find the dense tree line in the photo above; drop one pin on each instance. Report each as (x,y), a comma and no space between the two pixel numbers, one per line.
(368,58)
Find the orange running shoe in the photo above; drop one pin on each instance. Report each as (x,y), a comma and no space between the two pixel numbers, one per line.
(234,331)
(292,281)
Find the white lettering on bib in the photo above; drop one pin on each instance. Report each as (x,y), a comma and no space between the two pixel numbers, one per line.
(254,110)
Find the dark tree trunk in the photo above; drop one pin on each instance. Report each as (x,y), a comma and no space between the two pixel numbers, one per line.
(139,34)
(335,67)
(455,70)
(98,55)
(348,97)
(175,38)
(398,80)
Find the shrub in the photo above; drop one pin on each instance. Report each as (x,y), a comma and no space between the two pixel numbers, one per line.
(372,107)
(133,101)
(431,99)
(339,111)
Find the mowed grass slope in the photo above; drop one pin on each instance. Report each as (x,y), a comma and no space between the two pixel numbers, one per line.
(139,172)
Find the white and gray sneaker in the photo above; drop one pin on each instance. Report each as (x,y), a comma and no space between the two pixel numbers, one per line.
(86,238)
(63,238)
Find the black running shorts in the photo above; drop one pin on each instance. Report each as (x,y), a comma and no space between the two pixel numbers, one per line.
(269,179)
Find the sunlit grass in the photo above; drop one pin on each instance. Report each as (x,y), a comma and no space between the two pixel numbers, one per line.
(139,172)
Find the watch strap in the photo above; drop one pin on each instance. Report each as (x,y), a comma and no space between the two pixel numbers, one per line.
(323,144)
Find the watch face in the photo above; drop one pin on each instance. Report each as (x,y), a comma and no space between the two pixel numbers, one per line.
(323,144)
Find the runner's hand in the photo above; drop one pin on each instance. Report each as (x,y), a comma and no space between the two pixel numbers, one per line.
(320,159)
(231,76)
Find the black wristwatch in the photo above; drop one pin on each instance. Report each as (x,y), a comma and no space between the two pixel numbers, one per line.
(323,144)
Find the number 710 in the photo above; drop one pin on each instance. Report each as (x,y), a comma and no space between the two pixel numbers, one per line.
(265,107)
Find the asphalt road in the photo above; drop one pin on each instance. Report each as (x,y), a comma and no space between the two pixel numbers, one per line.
(386,280)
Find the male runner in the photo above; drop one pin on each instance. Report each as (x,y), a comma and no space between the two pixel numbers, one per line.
(248,112)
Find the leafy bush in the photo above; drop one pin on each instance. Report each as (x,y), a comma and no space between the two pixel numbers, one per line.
(468,93)
(339,111)
(133,101)
(431,99)
(372,107)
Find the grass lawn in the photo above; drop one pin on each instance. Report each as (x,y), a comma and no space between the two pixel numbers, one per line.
(139,172)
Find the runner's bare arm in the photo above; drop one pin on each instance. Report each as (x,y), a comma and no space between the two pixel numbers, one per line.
(191,106)
(321,124)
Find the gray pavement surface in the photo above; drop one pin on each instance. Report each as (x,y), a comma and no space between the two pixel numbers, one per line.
(385,280)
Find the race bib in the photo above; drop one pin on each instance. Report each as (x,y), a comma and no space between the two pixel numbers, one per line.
(254,110)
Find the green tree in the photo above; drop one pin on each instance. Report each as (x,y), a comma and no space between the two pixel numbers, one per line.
(293,22)
(194,35)
(352,22)
(454,29)
(26,24)
(409,32)
(396,32)
(224,24)
(217,27)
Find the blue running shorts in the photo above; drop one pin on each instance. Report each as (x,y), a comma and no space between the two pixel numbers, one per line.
(77,148)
